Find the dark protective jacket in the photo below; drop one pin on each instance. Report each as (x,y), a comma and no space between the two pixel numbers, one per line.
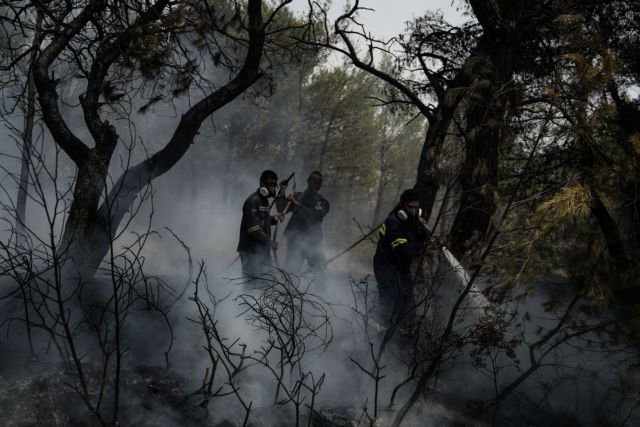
(255,228)
(307,217)
(399,242)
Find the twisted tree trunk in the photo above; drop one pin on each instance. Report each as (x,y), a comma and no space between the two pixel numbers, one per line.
(94,215)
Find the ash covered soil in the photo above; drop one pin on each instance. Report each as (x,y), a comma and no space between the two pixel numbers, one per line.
(42,395)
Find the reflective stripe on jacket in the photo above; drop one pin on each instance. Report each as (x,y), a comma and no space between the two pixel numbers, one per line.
(399,242)
(255,227)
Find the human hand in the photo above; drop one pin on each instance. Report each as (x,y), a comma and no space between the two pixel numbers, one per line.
(282,188)
(292,199)
(274,245)
(279,217)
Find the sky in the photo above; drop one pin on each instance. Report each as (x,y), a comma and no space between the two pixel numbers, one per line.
(389,17)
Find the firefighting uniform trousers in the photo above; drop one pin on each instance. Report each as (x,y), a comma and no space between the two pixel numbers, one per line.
(396,297)
(254,264)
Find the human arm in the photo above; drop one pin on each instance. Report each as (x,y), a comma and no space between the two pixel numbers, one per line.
(315,209)
(403,244)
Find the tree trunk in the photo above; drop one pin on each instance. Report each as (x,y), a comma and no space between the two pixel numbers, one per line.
(325,142)
(428,179)
(610,231)
(629,120)
(484,129)
(490,70)
(91,227)
(478,179)
(27,138)
(228,180)
(381,184)
(86,236)
(23,188)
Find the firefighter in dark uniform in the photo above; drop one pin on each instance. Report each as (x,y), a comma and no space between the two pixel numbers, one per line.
(255,229)
(402,237)
(304,230)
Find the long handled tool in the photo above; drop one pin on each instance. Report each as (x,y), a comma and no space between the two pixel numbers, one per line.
(286,181)
(356,243)
(284,212)
(455,264)
(353,245)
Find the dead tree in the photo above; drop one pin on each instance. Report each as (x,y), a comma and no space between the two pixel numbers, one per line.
(296,325)
(84,325)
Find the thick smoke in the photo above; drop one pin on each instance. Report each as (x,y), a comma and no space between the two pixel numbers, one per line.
(199,202)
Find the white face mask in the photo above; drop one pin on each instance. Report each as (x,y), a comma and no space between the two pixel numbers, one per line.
(266,192)
(403,215)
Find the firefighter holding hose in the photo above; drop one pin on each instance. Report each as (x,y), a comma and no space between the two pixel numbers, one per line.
(402,238)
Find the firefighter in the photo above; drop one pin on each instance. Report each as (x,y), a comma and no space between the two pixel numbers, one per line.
(304,230)
(255,242)
(402,238)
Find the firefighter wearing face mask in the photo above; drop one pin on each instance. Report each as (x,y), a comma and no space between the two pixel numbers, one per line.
(255,242)
(402,238)
(304,230)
